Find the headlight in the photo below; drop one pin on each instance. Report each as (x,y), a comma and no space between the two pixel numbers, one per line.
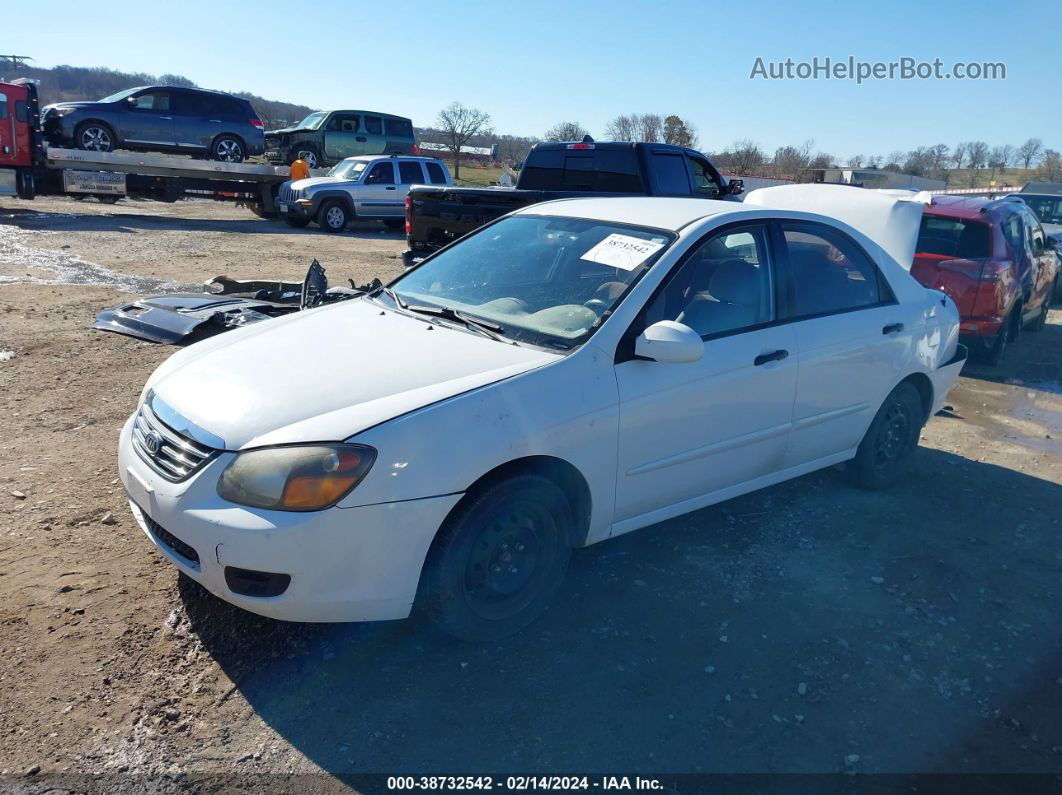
(302,478)
(61,111)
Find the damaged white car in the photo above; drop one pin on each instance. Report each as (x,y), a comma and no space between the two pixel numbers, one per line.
(574,371)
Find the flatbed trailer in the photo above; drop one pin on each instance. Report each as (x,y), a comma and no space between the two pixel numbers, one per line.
(29,167)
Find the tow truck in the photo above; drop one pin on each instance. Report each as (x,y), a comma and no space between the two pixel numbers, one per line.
(28,167)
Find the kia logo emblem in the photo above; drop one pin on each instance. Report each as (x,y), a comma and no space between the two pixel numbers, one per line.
(152,442)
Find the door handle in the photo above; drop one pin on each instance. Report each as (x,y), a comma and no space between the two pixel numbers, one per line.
(167,118)
(360,138)
(775,356)
(391,187)
(892,328)
(215,121)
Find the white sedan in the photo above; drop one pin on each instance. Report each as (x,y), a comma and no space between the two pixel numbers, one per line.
(574,371)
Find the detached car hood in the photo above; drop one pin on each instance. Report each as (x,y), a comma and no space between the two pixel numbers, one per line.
(329,373)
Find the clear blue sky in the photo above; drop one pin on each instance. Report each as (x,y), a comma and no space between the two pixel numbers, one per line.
(531,64)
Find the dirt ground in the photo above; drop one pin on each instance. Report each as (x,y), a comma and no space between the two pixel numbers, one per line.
(811,627)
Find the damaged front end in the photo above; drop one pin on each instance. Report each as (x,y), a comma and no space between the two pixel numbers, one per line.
(224,304)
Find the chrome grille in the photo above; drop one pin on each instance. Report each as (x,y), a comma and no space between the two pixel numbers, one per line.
(177,457)
(288,195)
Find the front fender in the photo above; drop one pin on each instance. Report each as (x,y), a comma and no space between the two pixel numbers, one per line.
(566,410)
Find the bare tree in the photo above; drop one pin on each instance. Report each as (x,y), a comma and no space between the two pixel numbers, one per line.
(977,153)
(459,124)
(874,161)
(679,132)
(1051,166)
(938,161)
(959,155)
(855,161)
(793,161)
(650,127)
(895,160)
(1000,156)
(566,131)
(746,158)
(1029,151)
(623,128)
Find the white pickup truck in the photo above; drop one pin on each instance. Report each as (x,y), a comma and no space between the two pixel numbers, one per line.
(367,188)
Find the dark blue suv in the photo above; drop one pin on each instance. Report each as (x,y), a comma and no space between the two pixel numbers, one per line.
(160,119)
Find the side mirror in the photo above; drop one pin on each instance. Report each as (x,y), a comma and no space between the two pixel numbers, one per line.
(131,101)
(671,342)
(735,186)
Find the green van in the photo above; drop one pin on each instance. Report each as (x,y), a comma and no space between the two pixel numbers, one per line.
(325,137)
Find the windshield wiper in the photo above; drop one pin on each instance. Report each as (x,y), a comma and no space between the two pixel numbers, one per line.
(379,288)
(485,327)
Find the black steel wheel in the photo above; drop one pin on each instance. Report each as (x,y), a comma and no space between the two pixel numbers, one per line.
(888,446)
(498,560)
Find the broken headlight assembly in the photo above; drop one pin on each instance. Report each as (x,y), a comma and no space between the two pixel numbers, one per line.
(296,477)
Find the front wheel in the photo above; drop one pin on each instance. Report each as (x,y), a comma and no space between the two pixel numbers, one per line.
(227,149)
(307,153)
(333,216)
(498,560)
(885,453)
(94,137)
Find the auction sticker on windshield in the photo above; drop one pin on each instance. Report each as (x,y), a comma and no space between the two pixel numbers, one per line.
(622,251)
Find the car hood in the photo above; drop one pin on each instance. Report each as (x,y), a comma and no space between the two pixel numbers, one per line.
(316,182)
(288,130)
(329,373)
(80,104)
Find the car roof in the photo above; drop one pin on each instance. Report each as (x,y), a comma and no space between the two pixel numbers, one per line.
(191,89)
(373,112)
(368,158)
(967,207)
(656,212)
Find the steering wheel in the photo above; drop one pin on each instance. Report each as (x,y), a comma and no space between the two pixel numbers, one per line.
(596,305)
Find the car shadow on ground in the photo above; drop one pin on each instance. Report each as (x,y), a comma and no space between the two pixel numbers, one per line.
(1034,360)
(809,627)
(130,222)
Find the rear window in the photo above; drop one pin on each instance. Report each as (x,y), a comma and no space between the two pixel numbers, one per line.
(435,173)
(398,128)
(595,170)
(953,237)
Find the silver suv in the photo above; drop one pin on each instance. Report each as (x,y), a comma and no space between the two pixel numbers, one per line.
(367,188)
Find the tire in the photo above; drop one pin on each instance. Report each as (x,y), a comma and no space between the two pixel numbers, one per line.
(395,223)
(228,149)
(25,186)
(885,453)
(307,153)
(333,216)
(992,354)
(297,223)
(106,199)
(94,136)
(1041,319)
(523,523)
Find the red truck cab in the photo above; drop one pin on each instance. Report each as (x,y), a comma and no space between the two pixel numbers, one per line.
(21,146)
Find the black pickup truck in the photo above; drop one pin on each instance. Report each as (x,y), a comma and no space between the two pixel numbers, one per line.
(436,216)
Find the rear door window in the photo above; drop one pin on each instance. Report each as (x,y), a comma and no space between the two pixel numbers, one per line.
(953,237)
(672,175)
(436,174)
(398,128)
(374,125)
(1014,234)
(829,273)
(409,172)
(3,106)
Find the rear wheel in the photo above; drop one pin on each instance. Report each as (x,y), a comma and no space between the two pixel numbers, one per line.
(94,137)
(333,216)
(885,453)
(498,560)
(227,149)
(996,349)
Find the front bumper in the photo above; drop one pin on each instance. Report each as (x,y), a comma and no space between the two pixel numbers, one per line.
(344,564)
(288,209)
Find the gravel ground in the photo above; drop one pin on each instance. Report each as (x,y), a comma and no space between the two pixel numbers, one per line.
(810,627)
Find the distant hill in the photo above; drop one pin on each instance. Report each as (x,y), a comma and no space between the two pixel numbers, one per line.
(67,83)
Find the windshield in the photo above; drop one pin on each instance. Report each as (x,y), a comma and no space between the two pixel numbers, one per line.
(120,95)
(311,122)
(1047,208)
(546,281)
(348,169)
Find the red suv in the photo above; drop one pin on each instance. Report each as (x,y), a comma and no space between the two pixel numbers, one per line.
(993,258)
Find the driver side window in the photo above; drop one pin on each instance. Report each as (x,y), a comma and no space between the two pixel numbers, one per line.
(704,183)
(381,174)
(152,100)
(723,287)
